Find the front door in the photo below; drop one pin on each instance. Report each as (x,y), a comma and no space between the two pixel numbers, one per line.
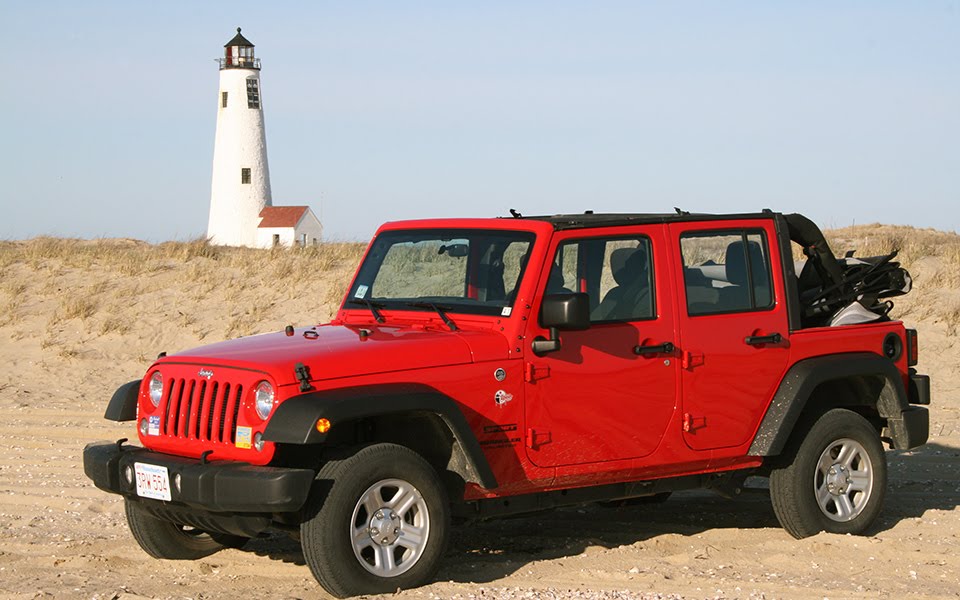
(610,391)
(734,343)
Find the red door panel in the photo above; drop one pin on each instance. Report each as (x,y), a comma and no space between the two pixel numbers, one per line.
(595,399)
(727,382)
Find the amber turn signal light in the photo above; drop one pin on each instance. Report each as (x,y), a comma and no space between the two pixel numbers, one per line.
(323,425)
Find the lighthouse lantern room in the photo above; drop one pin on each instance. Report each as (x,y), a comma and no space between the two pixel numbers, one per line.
(238,53)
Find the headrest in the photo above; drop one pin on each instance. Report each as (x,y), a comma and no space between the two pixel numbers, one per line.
(736,262)
(627,264)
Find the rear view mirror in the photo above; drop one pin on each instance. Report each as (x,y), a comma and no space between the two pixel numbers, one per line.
(566,312)
(455,250)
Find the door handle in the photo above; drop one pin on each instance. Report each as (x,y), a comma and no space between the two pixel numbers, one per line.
(759,340)
(664,348)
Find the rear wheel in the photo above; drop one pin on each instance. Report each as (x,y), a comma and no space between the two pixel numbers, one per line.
(163,539)
(376,521)
(835,479)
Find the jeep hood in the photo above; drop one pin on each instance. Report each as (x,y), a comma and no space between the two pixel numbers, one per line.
(337,351)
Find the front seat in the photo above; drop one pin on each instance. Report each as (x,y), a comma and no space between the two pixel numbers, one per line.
(631,298)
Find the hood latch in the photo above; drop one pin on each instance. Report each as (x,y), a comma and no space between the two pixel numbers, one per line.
(302,372)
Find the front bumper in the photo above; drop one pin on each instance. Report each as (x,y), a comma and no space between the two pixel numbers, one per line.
(216,487)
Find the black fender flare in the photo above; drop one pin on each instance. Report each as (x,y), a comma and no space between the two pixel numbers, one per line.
(123,404)
(802,379)
(294,420)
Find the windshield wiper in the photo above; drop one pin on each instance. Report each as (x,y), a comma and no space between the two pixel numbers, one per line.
(439,308)
(371,305)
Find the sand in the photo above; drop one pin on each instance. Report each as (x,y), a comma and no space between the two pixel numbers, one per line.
(63,538)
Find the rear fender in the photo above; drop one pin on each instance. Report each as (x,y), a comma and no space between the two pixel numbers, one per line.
(798,385)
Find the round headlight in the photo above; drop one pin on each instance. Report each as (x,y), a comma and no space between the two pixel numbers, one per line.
(156,388)
(263,397)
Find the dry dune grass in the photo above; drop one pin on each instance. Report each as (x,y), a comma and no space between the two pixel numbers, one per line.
(178,294)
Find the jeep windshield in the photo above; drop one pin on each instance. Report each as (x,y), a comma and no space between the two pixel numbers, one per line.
(471,271)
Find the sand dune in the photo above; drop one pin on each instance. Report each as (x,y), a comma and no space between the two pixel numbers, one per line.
(78,318)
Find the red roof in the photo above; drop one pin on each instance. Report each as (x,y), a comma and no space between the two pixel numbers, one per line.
(282,216)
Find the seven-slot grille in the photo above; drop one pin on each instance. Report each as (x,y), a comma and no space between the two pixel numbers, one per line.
(202,410)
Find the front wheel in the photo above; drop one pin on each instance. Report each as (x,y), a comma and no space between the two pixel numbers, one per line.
(376,521)
(835,479)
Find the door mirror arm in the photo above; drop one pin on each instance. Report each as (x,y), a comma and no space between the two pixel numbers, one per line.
(542,345)
(568,311)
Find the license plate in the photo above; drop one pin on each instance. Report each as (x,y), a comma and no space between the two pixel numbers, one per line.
(152,481)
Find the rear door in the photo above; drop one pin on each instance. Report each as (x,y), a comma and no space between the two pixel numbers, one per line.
(734,341)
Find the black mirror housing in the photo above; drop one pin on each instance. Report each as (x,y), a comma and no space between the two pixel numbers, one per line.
(567,311)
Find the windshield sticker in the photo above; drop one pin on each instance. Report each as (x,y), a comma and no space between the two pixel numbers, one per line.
(153,427)
(502,397)
(361,291)
(506,311)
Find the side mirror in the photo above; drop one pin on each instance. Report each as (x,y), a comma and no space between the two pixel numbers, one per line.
(567,312)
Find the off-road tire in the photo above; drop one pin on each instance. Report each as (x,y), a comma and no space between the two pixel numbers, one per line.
(795,483)
(334,515)
(163,539)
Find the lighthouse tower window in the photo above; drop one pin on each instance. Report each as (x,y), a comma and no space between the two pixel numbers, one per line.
(223,99)
(253,93)
(245,175)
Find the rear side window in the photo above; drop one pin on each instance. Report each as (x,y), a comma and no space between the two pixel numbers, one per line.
(726,271)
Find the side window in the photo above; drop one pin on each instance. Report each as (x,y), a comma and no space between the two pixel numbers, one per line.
(726,271)
(617,274)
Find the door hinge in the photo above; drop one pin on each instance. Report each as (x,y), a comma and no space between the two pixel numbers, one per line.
(691,423)
(691,359)
(535,372)
(535,439)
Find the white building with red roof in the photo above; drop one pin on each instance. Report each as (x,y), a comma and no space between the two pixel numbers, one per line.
(288,226)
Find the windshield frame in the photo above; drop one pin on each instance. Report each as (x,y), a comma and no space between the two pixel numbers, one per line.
(480,240)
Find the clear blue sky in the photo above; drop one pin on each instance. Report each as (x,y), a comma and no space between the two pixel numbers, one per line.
(375,111)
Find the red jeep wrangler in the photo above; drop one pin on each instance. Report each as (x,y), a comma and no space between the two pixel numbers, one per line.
(485,367)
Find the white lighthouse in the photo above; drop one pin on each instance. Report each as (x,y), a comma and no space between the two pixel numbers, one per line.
(241,177)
